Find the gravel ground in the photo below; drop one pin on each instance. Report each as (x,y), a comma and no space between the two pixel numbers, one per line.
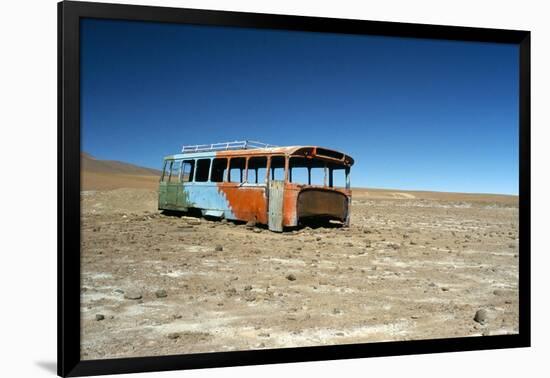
(407,268)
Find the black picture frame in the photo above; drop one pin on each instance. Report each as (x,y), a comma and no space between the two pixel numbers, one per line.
(69,15)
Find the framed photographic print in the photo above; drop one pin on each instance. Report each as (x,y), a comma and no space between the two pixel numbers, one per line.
(239,188)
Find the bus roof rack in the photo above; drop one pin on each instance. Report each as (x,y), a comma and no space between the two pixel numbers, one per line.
(236,145)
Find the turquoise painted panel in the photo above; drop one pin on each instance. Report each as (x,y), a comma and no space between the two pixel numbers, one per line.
(206,196)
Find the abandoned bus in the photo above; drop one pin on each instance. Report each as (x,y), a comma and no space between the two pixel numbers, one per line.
(252,181)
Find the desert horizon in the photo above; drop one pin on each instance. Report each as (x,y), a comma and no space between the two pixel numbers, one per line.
(98,174)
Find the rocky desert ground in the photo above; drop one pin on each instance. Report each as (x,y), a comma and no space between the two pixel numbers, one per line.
(413,265)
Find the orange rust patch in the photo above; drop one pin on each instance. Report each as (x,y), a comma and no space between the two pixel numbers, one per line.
(247,203)
(289,205)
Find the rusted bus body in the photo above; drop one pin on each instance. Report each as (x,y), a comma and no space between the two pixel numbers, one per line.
(259,184)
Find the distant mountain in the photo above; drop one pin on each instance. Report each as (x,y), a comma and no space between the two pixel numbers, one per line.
(90,164)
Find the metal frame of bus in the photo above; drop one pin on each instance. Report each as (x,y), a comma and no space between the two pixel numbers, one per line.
(275,201)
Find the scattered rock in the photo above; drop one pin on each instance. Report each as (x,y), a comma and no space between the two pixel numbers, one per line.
(231,292)
(250,224)
(131,294)
(193,221)
(444,289)
(336,311)
(218,248)
(161,293)
(173,335)
(257,230)
(99,317)
(264,334)
(248,288)
(481,316)
(291,277)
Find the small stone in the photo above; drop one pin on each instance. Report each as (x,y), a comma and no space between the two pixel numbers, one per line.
(248,288)
(161,293)
(218,248)
(257,230)
(336,311)
(481,316)
(250,224)
(173,335)
(193,221)
(231,292)
(291,277)
(99,317)
(134,295)
(444,289)
(264,334)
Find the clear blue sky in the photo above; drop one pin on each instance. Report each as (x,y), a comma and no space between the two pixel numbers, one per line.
(415,114)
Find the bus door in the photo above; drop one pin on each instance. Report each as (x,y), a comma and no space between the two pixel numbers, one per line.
(275,216)
(173,184)
(276,185)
